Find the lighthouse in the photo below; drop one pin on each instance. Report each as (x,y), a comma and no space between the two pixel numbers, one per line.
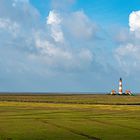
(120,86)
(120,92)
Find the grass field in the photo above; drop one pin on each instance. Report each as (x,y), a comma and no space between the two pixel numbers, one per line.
(69,117)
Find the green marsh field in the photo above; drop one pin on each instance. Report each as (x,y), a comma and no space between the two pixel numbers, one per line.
(69,117)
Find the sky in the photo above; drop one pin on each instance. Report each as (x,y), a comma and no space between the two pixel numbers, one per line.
(69,45)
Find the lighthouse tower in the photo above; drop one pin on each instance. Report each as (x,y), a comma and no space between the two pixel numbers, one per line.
(120,86)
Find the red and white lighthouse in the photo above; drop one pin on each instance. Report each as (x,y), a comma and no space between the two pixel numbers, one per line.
(120,86)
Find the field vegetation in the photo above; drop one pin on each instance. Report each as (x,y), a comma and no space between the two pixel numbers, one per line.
(69,117)
(74,99)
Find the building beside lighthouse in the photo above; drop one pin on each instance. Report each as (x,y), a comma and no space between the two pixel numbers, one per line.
(120,90)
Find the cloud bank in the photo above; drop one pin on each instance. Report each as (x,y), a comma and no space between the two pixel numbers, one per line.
(64,50)
(30,47)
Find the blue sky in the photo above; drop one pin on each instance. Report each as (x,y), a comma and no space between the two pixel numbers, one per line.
(69,45)
(98,10)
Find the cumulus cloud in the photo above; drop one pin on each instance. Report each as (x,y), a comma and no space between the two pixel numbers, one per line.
(134,21)
(127,54)
(66,58)
(54,20)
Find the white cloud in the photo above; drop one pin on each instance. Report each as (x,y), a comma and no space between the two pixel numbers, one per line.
(134,21)
(54,20)
(63,58)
